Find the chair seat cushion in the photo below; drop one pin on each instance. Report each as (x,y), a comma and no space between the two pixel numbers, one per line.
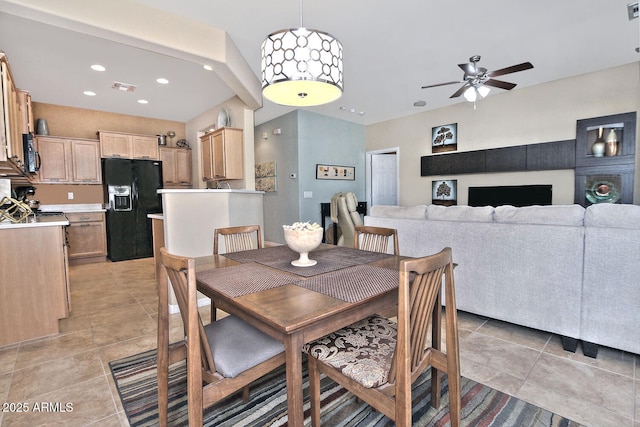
(237,346)
(362,351)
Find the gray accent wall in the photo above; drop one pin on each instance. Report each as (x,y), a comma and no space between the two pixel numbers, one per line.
(307,139)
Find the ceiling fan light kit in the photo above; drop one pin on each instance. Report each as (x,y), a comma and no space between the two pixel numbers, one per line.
(476,79)
(301,67)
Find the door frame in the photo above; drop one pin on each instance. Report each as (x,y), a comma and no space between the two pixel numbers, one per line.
(369,172)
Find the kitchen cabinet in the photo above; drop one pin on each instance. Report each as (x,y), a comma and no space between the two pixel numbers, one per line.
(34,292)
(10,119)
(176,167)
(68,161)
(26,112)
(86,235)
(128,146)
(222,155)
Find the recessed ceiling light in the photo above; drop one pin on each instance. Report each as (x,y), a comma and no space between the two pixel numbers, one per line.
(89,93)
(162,81)
(142,101)
(98,67)
(208,67)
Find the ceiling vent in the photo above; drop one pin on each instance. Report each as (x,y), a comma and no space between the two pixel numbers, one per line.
(632,9)
(125,87)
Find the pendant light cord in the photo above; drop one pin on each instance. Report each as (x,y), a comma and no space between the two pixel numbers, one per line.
(301,22)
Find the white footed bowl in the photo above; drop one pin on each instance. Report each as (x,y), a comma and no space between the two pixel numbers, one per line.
(303,242)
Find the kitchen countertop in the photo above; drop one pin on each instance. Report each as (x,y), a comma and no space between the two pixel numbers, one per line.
(36,221)
(70,208)
(208,190)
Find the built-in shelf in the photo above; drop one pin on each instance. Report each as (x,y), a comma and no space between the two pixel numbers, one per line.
(531,157)
(613,174)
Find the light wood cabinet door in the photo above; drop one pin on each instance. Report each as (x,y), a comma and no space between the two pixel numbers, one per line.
(85,162)
(54,166)
(218,151)
(222,155)
(115,145)
(26,113)
(176,167)
(11,138)
(184,171)
(87,235)
(206,143)
(144,147)
(168,159)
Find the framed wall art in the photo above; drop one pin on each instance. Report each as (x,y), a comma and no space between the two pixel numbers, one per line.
(444,192)
(444,138)
(347,173)
(266,177)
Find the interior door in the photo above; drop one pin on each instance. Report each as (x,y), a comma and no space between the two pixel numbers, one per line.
(384,176)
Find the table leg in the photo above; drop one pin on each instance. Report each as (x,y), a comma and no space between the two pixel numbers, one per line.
(295,400)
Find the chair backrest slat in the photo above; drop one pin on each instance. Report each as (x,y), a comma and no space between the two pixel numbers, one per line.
(375,239)
(242,238)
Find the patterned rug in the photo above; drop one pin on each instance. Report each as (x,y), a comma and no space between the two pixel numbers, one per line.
(136,380)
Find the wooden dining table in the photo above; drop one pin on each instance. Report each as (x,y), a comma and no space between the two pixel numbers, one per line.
(296,305)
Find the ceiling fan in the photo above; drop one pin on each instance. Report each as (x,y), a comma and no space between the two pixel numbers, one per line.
(476,78)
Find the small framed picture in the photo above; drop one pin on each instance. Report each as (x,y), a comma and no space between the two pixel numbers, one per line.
(444,138)
(444,192)
(335,172)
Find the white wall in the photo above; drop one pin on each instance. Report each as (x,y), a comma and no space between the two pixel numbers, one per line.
(542,113)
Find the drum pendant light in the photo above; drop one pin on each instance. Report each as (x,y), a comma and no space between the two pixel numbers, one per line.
(301,67)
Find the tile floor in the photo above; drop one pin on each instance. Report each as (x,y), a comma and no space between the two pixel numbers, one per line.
(114,315)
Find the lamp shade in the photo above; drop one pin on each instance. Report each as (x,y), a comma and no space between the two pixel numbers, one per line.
(471,94)
(301,67)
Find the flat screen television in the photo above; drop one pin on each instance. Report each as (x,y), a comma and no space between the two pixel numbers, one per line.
(515,195)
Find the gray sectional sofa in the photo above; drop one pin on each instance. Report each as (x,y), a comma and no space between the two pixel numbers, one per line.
(563,269)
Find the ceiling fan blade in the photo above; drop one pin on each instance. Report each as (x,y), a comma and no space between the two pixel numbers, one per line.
(442,84)
(512,69)
(500,84)
(468,68)
(461,90)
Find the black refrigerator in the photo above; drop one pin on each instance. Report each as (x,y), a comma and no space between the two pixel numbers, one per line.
(131,193)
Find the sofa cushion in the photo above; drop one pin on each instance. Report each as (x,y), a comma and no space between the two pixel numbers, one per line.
(411,212)
(460,213)
(612,215)
(572,215)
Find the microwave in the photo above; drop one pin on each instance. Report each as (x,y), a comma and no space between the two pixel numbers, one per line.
(31,156)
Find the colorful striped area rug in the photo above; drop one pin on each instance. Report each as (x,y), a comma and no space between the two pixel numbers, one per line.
(136,380)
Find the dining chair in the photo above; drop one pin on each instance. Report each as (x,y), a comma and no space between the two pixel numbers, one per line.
(236,239)
(375,239)
(378,360)
(222,357)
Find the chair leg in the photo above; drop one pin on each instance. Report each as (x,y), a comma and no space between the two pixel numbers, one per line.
(314,392)
(214,315)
